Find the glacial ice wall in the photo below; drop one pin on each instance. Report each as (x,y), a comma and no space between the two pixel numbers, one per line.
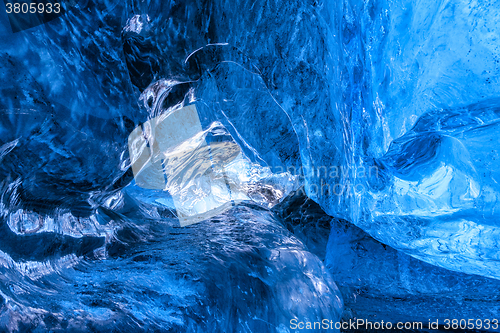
(425,113)
(385,111)
(82,246)
(395,110)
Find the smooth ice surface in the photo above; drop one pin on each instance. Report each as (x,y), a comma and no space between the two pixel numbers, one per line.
(425,114)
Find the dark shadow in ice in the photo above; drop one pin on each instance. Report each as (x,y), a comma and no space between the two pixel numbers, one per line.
(45,245)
